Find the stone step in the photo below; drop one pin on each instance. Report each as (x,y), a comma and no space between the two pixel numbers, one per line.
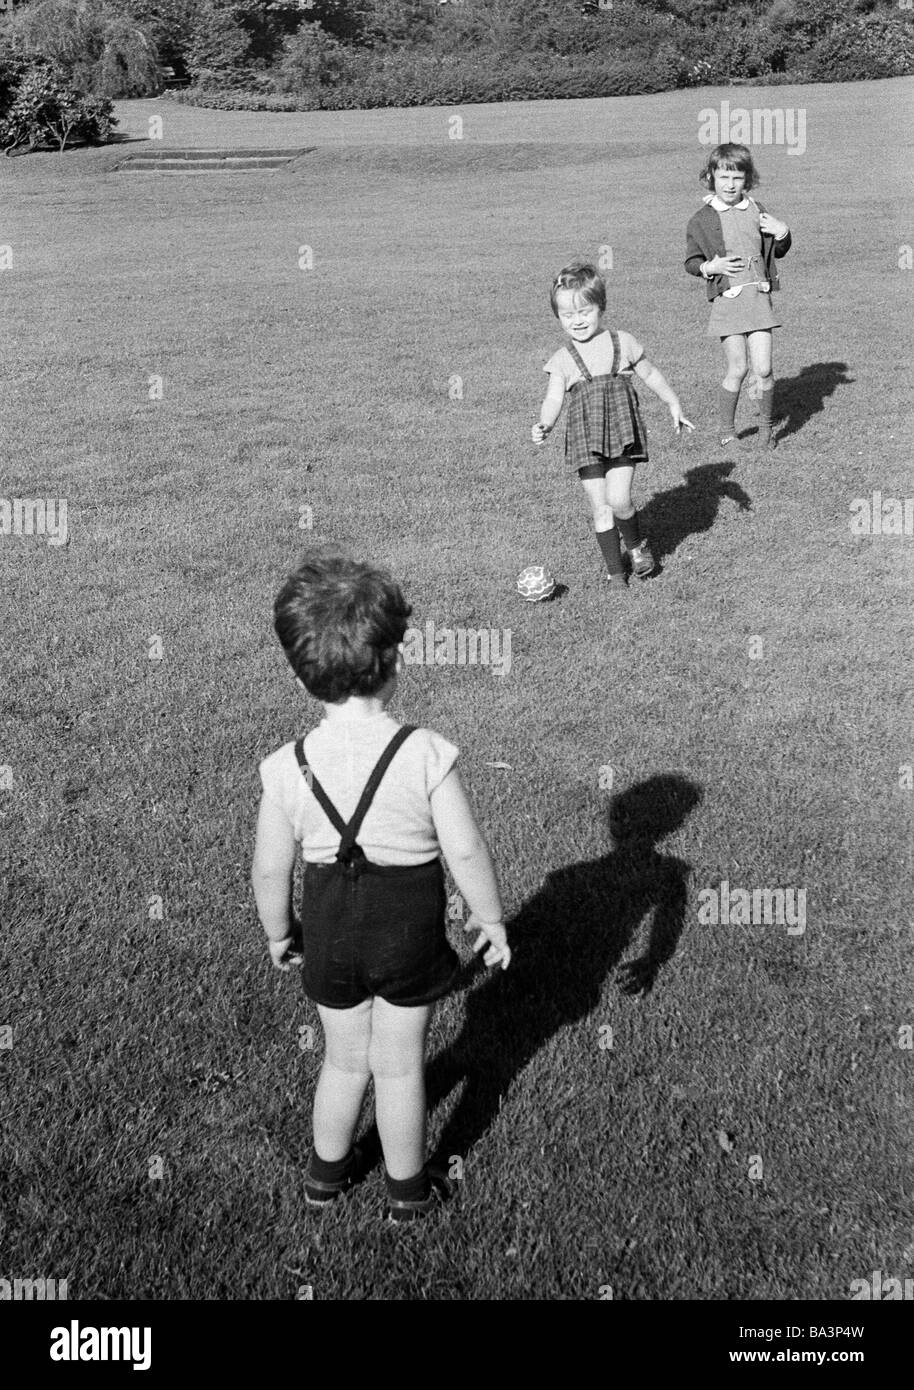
(203,161)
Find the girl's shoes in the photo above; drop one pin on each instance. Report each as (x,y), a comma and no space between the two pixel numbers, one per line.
(766,438)
(643,562)
(321,1194)
(730,441)
(442,1189)
(617,582)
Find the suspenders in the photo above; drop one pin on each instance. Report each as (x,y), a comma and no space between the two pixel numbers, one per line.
(350,856)
(582,365)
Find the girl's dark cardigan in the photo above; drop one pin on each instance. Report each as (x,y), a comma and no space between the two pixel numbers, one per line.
(705,240)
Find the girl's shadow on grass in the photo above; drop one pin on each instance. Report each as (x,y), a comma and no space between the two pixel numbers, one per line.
(798,398)
(671,517)
(566,940)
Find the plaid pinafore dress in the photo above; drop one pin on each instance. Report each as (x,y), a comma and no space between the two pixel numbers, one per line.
(604,417)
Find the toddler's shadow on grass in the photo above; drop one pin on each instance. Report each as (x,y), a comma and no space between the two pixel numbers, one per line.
(798,398)
(566,940)
(671,517)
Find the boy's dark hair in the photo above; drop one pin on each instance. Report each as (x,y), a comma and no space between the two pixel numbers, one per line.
(729,157)
(583,279)
(340,623)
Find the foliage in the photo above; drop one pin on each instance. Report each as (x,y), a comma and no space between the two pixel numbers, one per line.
(94,47)
(46,111)
(869,46)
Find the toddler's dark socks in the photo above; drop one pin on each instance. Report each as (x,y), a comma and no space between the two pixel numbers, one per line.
(611,550)
(765,406)
(726,410)
(630,531)
(330,1170)
(415,1189)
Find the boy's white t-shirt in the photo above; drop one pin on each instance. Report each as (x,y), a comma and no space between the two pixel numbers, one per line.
(398,827)
(598,357)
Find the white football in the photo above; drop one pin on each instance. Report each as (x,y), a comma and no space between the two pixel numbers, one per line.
(535,584)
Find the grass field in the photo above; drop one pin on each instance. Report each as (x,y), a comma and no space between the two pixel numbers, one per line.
(747,1133)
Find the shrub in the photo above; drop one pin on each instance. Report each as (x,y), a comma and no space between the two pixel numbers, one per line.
(89,44)
(218,45)
(46,112)
(311,58)
(873,46)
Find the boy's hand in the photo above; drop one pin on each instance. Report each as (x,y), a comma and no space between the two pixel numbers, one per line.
(538,433)
(288,952)
(493,933)
(772,226)
(679,419)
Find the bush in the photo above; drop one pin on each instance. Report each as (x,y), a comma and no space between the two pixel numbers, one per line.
(869,47)
(47,112)
(90,45)
(218,46)
(311,58)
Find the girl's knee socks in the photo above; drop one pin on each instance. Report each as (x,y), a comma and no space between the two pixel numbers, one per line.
(630,531)
(611,550)
(726,409)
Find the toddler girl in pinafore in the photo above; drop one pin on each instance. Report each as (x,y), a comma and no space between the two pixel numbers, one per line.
(605,435)
(733,244)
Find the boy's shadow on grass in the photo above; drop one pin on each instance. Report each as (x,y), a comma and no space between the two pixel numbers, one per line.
(798,398)
(566,940)
(671,517)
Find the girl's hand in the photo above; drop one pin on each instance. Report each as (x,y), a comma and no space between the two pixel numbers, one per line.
(493,933)
(538,433)
(679,419)
(772,227)
(725,265)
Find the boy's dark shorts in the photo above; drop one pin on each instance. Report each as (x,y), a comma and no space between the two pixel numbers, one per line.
(381,932)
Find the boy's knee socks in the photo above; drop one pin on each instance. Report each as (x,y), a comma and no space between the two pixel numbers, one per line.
(766,404)
(415,1189)
(330,1170)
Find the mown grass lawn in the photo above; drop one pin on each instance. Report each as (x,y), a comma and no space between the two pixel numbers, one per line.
(746,1134)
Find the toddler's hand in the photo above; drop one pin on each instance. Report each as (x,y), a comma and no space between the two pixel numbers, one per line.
(493,933)
(538,433)
(287,953)
(679,419)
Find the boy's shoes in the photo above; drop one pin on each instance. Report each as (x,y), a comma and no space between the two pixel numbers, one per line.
(320,1194)
(442,1189)
(766,438)
(617,582)
(643,562)
(730,441)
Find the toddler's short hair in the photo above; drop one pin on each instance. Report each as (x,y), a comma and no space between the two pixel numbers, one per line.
(729,157)
(340,623)
(582,278)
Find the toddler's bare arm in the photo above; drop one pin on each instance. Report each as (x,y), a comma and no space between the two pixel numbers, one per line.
(467,856)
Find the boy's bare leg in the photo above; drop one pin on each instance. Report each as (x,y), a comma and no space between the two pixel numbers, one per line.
(397,1061)
(343,1079)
